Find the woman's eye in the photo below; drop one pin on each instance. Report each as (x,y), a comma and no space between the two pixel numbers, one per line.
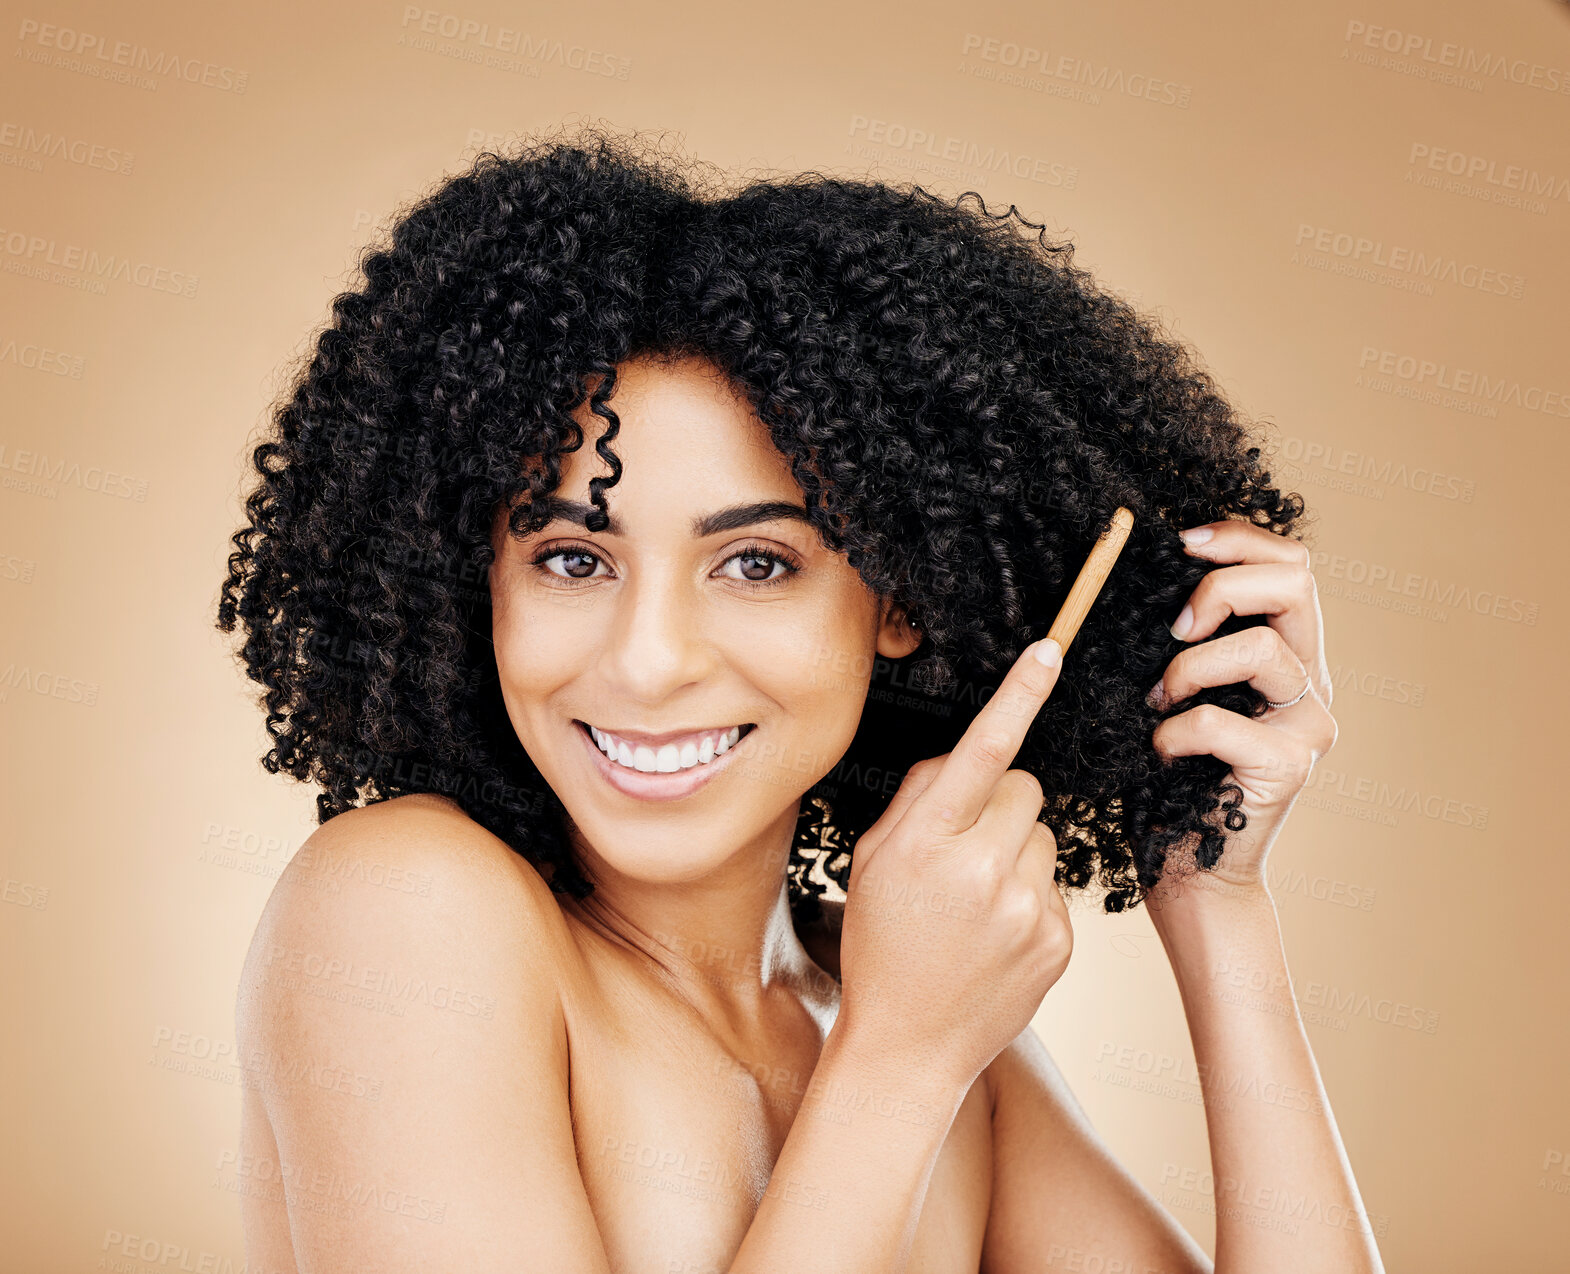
(758,563)
(579,563)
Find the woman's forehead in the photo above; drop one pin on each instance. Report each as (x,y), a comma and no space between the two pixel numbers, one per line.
(680,428)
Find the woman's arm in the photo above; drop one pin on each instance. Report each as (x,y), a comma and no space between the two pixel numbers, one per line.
(850,1181)
(1284,1192)
(1060,1198)
(1285,1196)
(930,995)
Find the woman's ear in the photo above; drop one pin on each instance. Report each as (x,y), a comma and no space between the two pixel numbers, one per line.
(897,636)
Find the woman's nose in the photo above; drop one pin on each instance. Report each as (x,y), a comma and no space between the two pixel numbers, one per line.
(659,640)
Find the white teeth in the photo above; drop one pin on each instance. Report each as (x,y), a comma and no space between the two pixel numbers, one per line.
(669,758)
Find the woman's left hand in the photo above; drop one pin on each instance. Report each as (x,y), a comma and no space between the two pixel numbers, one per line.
(1271,755)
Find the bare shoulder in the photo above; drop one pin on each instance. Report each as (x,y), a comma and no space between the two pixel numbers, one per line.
(425,836)
(400,1015)
(415,875)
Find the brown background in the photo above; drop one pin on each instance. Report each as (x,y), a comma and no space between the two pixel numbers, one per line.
(177,216)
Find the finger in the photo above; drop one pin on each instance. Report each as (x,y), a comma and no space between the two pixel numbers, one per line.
(916,781)
(1011,811)
(1232,540)
(1259,656)
(1037,869)
(1250,747)
(1038,866)
(1283,592)
(989,745)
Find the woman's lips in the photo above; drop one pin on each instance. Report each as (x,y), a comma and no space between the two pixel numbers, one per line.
(654,785)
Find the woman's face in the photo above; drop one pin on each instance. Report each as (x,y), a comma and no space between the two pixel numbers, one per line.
(662,625)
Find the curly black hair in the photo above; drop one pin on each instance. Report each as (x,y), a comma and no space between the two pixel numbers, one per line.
(963,408)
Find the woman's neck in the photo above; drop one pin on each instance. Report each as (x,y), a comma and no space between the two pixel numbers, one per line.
(726,943)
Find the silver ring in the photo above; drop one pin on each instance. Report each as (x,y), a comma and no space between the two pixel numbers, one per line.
(1290,702)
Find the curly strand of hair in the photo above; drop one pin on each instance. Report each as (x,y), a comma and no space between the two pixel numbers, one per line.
(599,404)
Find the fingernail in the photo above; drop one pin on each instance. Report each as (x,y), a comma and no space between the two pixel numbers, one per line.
(1198,535)
(1048,652)
(1183,623)
(1156,697)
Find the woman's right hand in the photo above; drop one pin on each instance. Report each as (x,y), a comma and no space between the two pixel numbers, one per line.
(954,927)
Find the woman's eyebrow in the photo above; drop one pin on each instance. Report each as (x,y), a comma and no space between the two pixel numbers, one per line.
(731,518)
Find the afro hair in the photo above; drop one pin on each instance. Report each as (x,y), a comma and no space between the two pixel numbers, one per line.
(963,408)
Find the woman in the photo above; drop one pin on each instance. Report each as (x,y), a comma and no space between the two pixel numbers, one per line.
(638,564)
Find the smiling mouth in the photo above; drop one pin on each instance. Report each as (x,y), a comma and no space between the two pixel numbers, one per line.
(696,751)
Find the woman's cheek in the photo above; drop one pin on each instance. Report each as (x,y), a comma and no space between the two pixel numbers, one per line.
(818,675)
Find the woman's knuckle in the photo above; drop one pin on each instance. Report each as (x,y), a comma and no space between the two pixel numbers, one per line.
(1256,647)
(1019,907)
(1028,785)
(1056,944)
(1298,763)
(1160,739)
(1209,716)
(994,749)
(1269,642)
(981,871)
